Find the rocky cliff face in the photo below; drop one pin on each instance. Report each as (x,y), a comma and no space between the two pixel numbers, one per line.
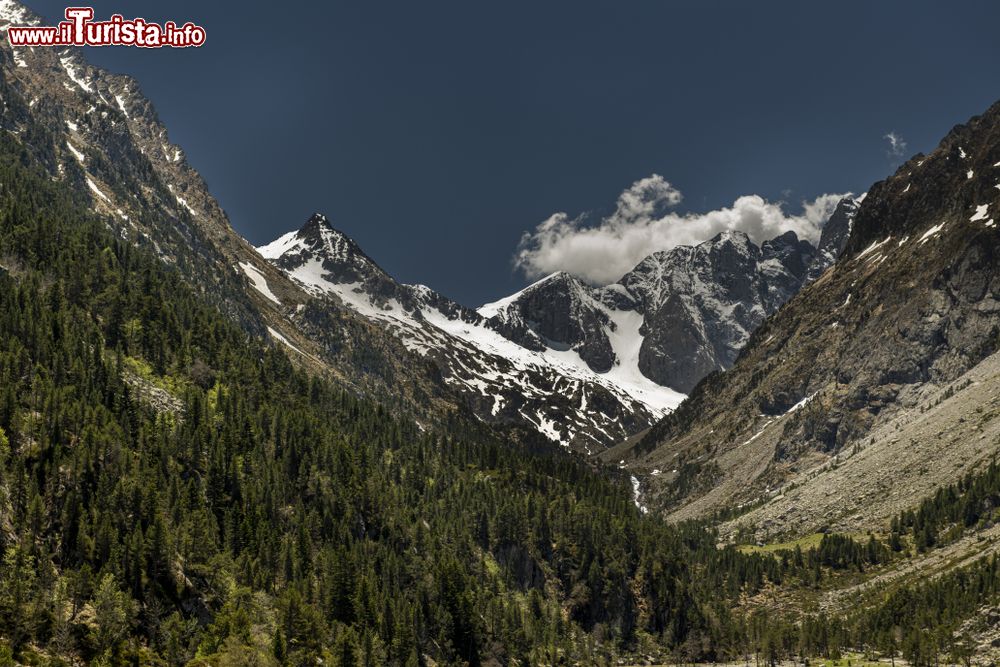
(701,304)
(698,305)
(834,236)
(913,304)
(561,312)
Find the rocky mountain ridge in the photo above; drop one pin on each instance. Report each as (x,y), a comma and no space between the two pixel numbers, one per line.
(911,306)
(586,366)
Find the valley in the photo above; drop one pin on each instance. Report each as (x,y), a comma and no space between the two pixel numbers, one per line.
(214,453)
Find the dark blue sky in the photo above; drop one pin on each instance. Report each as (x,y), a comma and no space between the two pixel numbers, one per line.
(435,133)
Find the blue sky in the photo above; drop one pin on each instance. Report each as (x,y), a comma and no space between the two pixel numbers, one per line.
(437,133)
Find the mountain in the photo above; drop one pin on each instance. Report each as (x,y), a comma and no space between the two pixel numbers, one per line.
(177,491)
(204,461)
(552,390)
(688,310)
(874,377)
(96,131)
(586,366)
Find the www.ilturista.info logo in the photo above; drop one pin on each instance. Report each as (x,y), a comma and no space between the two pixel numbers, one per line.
(79,30)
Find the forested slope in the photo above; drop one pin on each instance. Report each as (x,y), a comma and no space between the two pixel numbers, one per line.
(170,490)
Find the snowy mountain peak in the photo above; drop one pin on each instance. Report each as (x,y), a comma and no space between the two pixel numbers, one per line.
(321,234)
(557,356)
(729,237)
(319,255)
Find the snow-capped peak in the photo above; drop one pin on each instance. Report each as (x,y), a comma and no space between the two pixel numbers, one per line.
(319,256)
(529,379)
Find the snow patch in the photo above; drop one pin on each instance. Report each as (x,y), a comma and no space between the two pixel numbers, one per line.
(874,246)
(281,339)
(498,403)
(183,202)
(121,105)
(930,233)
(980,213)
(801,404)
(97,190)
(637,495)
(279,246)
(258,281)
(547,427)
(71,72)
(77,154)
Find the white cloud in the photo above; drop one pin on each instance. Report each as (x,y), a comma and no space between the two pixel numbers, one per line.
(897,145)
(642,224)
